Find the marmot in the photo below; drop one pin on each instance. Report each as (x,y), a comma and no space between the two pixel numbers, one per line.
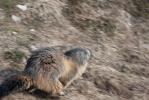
(49,69)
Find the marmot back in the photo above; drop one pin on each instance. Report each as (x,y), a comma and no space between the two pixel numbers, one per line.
(52,69)
(44,67)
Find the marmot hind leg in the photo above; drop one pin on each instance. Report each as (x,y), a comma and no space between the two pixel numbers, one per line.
(51,84)
(57,87)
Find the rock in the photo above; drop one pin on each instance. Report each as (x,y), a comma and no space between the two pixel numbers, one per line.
(32,30)
(33,48)
(14,33)
(22,7)
(16,18)
(2,14)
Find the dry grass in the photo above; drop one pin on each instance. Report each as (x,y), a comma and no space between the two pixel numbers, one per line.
(113,31)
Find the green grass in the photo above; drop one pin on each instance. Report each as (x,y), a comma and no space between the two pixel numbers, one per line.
(14,55)
(8,5)
(15,58)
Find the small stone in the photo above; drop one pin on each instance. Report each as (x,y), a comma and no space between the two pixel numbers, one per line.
(24,60)
(16,18)
(2,14)
(22,7)
(14,33)
(33,48)
(32,30)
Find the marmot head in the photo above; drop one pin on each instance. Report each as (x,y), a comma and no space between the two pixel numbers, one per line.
(79,55)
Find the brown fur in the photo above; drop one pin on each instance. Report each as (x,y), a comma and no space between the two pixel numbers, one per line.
(70,69)
(26,80)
